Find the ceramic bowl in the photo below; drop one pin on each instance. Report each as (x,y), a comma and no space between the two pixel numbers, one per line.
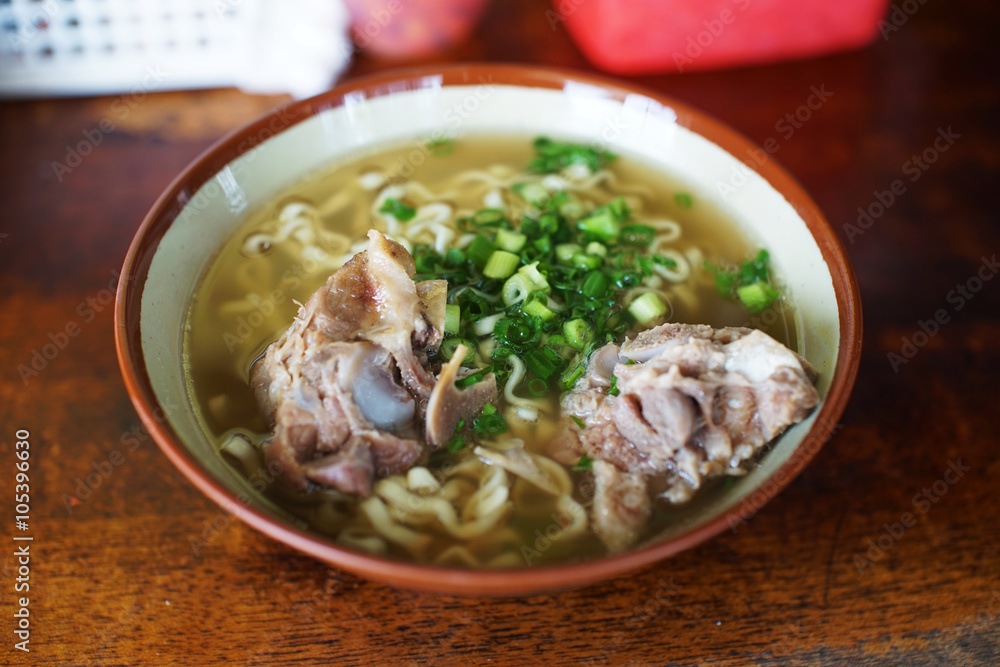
(246,169)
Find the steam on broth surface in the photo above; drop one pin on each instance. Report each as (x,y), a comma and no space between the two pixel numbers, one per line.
(472,507)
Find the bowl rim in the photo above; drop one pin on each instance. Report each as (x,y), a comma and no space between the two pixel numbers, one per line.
(529,580)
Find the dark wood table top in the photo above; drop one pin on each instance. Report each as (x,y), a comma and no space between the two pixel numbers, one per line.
(886,551)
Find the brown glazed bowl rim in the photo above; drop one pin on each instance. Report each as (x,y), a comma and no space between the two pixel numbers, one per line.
(433,578)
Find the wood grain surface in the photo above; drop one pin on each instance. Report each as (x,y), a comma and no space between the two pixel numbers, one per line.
(886,551)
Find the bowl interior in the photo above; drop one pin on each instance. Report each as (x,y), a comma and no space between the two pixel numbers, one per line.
(246,171)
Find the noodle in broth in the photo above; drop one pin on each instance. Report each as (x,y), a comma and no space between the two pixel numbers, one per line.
(496,505)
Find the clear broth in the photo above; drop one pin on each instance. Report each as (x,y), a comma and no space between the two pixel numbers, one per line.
(222,341)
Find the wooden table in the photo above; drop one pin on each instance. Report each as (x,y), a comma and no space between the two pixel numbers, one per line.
(828,573)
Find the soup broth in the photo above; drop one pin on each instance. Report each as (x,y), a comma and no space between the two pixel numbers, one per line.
(252,291)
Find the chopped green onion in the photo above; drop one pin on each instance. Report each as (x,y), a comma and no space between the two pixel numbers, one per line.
(570,207)
(565,252)
(501,264)
(489,422)
(452,318)
(474,307)
(664,261)
(598,249)
(647,308)
(538,281)
(749,283)
(450,345)
(579,422)
(480,250)
(539,309)
(454,257)
(472,379)
(584,464)
(757,296)
(539,364)
(489,217)
(538,387)
(582,260)
(576,332)
(510,241)
(533,193)
(516,289)
(637,235)
(571,375)
(397,209)
(441,147)
(614,386)
(424,263)
(683,200)
(552,156)
(595,285)
(456,444)
(602,225)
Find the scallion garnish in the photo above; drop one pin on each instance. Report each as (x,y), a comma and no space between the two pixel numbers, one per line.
(501,264)
(452,318)
(547,285)
(750,283)
(647,308)
(584,464)
(441,147)
(552,156)
(397,209)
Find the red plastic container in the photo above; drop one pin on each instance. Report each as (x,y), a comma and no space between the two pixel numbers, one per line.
(646,36)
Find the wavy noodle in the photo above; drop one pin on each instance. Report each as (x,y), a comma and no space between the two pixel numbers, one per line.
(458,514)
(517,373)
(240,452)
(667,231)
(481,513)
(363,540)
(375,511)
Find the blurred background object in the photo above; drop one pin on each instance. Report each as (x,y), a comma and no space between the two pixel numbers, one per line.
(658,36)
(89,47)
(412,28)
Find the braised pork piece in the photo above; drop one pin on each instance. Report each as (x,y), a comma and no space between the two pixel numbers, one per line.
(676,406)
(347,388)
